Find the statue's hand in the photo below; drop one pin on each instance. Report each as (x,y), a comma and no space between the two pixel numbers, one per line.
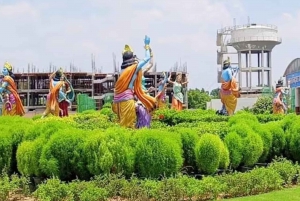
(147,40)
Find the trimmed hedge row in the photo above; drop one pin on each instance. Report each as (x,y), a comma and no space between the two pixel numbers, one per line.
(280,173)
(90,144)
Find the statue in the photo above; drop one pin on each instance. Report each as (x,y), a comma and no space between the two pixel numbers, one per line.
(56,94)
(66,97)
(278,105)
(177,99)
(11,102)
(150,65)
(161,95)
(130,83)
(229,89)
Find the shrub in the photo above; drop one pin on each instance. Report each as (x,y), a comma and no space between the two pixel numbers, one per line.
(267,139)
(157,153)
(189,139)
(224,157)
(263,105)
(62,155)
(278,139)
(295,140)
(109,152)
(285,168)
(234,144)
(208,153)
(28,155)
(252,149)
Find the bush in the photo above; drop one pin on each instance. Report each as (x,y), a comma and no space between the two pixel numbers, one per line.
(278,139)
(235,146)
(263,105)
(224,158)
(109,152)
(62,156)
(157,153)
(28,155)
(189,139)
(208,153)
(252,149)
(267,139)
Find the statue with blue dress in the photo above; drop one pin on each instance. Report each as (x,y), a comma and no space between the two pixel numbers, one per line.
(128,88)
(57,94)
(11,102)
(229,92)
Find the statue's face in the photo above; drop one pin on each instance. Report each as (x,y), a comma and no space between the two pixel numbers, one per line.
(5,71)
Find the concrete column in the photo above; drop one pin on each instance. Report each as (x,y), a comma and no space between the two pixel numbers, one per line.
(250,66)
(28,94)
(258,72)
(247,68)
(262,65)
(240,70)
(270,66)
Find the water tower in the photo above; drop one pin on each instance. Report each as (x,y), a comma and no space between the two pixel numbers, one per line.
(253,44)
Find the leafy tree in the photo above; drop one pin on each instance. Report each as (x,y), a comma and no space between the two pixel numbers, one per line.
(215,93)
(198,98)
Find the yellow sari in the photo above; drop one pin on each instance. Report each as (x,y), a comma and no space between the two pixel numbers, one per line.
(125,109)
(229,93)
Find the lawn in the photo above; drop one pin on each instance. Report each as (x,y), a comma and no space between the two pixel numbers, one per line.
(291,194)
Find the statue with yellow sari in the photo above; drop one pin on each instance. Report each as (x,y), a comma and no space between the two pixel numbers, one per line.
(12,104)
(129,86)
(229,89)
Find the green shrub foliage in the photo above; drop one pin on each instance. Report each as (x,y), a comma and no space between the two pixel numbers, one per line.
(208,153)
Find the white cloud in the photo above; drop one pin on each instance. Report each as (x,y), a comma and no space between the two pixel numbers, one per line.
(63,32)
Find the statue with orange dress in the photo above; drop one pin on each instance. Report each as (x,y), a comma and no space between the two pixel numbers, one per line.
(177,99)
(129,88)
(12,104)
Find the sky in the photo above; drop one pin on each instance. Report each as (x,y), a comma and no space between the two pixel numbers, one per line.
(60,32)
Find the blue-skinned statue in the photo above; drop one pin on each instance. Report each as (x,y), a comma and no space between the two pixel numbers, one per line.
(57,94)
(12,104)
(129,85)
(150,65)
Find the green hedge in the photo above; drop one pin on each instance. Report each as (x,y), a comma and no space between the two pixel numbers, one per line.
(90,143)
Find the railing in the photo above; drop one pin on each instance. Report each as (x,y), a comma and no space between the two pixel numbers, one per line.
(255,38)
(230,28)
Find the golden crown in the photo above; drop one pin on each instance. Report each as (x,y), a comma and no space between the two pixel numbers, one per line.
(8,66)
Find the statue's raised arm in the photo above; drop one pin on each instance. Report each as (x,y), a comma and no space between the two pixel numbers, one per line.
(12,104)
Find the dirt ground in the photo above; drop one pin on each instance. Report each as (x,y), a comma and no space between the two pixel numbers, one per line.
(30,114)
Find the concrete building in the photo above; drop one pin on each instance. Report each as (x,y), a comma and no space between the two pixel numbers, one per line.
(34,87)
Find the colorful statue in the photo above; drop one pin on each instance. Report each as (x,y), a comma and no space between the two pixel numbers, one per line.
(161,95)
(129,84)
(150,65)
(229,89)
(12,104)
(56,94)
(177,100)
(66,99)
(278,105)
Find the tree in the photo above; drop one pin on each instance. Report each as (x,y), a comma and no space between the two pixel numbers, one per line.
(198,98)
(215,93)
(263,105)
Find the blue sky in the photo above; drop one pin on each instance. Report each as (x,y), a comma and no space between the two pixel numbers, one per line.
(61,32)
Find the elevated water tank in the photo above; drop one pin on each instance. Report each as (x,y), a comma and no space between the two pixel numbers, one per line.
(257,36)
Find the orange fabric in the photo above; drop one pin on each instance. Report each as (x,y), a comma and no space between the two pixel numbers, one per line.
(13,89)
(231,85)
(277,103)
(123,83)
(53,95)
(176,104)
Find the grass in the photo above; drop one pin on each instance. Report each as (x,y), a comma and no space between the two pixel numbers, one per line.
(290,194)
